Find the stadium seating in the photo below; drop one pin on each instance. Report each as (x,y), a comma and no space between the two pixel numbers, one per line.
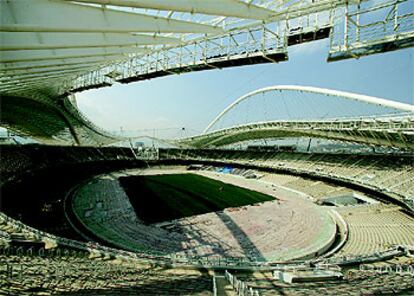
(354,283)
(19,159)
(103,207)
(376,228)
(47,264)
(105,210)
(24,272)
(378,172)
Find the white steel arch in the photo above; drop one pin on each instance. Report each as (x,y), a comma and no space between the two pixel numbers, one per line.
(328,92)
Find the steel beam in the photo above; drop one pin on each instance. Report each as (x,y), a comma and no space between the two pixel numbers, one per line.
(44,77)
(7,76)
(4,72)
(42,41)
(229,8)
(58,62)
(27,16)
(34,55)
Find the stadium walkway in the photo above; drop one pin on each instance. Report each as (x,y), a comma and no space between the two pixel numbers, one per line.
(223,287)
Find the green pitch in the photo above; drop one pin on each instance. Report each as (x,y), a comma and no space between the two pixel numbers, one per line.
(167,197)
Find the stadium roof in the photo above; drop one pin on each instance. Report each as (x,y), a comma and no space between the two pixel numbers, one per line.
(57,47)
(389,130)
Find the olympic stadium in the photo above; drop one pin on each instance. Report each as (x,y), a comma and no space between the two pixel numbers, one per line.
(289,190)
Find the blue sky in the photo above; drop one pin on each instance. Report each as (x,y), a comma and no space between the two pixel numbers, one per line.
(192,100)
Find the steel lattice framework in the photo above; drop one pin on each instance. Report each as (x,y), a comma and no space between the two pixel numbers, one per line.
(99,42)
(396,130)
(51,49)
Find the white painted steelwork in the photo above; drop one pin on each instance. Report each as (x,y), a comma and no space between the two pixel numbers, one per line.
(184,35)
(328,92)
(50,49)
(231,8)
(389,131)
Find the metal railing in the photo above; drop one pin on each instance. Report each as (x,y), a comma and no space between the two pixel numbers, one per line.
(239,286)
(264,40)
(365,29)
(400,269)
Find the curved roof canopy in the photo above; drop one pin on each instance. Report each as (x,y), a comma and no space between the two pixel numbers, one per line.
(51,49)
(45,43)
(392,130)
(58,47)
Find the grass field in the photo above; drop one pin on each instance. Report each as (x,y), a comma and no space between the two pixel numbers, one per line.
(167,197)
